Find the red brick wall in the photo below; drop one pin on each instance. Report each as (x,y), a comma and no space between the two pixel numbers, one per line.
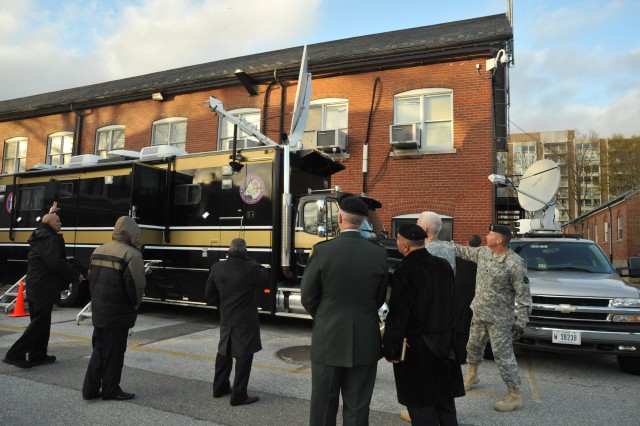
(450,184)
(619,250)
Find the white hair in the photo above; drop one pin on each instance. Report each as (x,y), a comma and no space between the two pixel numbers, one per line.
(431,222)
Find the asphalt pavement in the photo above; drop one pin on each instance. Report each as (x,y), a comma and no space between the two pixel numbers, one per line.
(169,365)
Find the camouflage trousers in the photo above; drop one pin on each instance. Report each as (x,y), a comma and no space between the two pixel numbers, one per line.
(502,344)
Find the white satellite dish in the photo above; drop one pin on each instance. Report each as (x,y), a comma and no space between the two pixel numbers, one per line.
(301,104)
(539,186)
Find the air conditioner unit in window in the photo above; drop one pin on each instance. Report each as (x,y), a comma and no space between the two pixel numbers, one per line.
(405,136)
(331,140)
(240,144)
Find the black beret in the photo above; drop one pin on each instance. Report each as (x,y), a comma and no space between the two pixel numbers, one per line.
(412,232)
(354,205)
(501,229)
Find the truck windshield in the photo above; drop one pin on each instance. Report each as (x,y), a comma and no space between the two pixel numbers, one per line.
(562,255)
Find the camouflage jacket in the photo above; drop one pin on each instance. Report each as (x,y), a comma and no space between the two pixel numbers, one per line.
(442,249)
(502,288)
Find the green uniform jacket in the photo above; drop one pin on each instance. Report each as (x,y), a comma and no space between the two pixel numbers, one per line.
(344,285)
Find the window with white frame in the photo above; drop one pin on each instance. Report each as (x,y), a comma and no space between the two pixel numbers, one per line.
(109,138)
(243,139)
(619,226)
(595,232)
(432,111)
(325,114)
(15,155)
(170,131)
(606,232)
(59,148)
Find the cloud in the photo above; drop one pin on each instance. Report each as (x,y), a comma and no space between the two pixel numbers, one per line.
(135,39)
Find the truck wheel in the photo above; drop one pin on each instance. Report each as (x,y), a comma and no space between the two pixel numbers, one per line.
(69,295)
(629,364)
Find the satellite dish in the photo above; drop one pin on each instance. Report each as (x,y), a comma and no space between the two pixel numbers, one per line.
(539,186)
(301,104)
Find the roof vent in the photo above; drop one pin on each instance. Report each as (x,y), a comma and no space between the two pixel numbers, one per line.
(158,152)
(83,160)
(125,154)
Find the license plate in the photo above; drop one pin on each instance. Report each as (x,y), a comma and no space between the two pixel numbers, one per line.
(566,337)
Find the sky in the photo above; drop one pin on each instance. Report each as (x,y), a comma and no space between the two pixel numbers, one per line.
(575,62)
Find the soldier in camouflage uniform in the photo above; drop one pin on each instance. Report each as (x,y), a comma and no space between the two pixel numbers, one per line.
(500,307)
(432,224)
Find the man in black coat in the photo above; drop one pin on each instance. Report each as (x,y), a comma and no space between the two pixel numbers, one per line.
(47,273)
(344,284)
(421,311)
(233,287)
(465,291)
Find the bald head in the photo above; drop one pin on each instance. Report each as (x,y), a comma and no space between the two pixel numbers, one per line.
(53,221)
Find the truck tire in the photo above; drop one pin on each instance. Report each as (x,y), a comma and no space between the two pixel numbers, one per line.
(69,296)
(629,364)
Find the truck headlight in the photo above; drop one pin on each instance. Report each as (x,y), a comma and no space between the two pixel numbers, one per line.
(625,302)
(625,318)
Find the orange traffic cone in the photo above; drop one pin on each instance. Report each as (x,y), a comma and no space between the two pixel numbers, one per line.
(18,310)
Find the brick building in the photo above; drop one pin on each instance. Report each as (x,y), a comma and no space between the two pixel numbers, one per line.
(445,87)
(614,225)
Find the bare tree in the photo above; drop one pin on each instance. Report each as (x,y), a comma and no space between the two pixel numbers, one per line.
(623,164)
(583,168)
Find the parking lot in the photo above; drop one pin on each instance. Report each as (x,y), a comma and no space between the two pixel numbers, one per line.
(169,365)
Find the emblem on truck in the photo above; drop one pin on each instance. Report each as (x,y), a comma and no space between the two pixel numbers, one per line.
(252,189)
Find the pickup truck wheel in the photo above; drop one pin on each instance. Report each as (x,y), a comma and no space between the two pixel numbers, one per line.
(629,364)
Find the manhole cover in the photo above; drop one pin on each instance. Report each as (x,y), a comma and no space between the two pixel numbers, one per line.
(296,354)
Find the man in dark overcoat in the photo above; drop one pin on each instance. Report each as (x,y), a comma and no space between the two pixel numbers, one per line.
(344,285)
(233,287)
(421,311)
(47,273)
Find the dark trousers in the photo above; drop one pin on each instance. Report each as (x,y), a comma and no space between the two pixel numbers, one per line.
(105,365)
(434,415)
(355,383)
(221,383)
(35,339)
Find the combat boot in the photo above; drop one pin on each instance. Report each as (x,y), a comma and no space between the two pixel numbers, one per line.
(471,378)
(404,415)
(512,401)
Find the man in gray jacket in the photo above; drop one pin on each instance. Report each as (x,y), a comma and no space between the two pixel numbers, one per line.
(117,282)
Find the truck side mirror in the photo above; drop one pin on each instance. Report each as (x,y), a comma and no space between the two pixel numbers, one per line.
(322,231)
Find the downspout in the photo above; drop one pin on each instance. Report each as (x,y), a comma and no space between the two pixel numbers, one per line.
(265,103)
(77,132)
(282,99)
(365,147)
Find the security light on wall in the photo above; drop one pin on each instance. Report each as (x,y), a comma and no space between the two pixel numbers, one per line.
(157,96)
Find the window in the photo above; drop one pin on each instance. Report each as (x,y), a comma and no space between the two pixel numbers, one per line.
(619,227)
(59,148)
(606,232)
(170,131)
(432,110)
(325,114)
(595,232)
(15,155)
(189,194)
(109,138)
(243,140)
(32,199)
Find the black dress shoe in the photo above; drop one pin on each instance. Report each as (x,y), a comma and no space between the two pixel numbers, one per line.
(48,359)
(249,400)
(120,396)
(20,363)
(221,394)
